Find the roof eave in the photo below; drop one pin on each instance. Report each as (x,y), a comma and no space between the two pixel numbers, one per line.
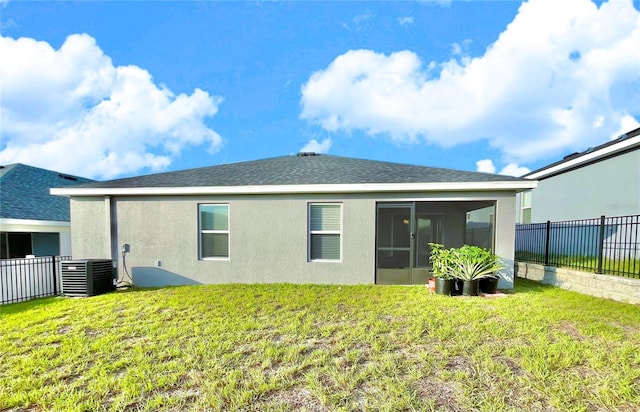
(518,185)
(586,158)
(33,222)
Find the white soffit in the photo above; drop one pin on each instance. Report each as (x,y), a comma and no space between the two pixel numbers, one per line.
(300,189)
(30,222)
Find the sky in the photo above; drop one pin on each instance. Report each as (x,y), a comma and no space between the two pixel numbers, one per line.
(115,89)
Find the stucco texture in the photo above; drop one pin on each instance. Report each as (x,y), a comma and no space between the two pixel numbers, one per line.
(267,241)
(90,239)
(610,187)
(268,236)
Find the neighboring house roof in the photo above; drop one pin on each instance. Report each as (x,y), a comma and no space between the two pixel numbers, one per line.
(24,193)
(302,173)
(625,143)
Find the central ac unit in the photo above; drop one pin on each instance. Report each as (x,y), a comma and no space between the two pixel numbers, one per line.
(87,277)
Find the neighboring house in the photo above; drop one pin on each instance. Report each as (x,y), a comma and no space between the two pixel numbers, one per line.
(306,218)
(604,180)
(32,221)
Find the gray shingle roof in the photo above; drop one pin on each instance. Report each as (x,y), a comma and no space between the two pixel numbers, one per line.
(301,170)
(24,193)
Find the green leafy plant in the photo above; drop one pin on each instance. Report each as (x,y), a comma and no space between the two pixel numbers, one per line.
(473,263)
(440,258)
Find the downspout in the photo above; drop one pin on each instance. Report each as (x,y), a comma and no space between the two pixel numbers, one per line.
(111,229)
(118,251)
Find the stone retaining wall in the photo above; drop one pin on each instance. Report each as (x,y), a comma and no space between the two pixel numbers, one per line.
(603,286)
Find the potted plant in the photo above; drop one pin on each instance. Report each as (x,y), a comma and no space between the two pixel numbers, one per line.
(470,264)
(489,284)
(440,260)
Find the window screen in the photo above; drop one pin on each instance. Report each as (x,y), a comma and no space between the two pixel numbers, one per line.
(325,231)
(214,231)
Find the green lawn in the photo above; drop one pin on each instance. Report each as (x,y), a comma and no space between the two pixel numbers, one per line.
(617,267)
(320,348)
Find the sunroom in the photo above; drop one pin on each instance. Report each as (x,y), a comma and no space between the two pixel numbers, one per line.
(405,229)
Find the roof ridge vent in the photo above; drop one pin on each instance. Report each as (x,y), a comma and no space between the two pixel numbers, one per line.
(67,177)
(306,154)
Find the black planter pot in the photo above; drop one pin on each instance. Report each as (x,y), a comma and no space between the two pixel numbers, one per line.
(471,288)
(489,285)
(444,286)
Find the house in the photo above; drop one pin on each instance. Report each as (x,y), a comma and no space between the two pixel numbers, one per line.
(306,218)
(32,221)
(603,180)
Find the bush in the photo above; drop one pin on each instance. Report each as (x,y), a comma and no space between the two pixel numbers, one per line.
(440,259)
(464,263)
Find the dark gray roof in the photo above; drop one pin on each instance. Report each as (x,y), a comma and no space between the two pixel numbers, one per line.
(573,156)
(24,193)
(301,169)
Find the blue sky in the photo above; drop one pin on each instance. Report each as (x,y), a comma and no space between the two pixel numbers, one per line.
(113,89)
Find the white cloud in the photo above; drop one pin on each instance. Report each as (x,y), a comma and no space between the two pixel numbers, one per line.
(561,77)
(405,21)
(72,110)
(317,147)
(485,166)
(461,49)
(512,169)
(359,21)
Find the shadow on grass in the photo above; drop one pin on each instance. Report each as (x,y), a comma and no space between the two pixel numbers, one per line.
(529,286)
(521,286)
(38,303)
(12,308)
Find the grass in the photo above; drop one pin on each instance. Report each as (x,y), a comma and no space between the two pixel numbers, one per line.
(616,267)
(320,348)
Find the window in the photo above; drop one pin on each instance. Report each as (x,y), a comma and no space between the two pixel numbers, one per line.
(325,231)
(214,231)
(21,244)
(480,227)
(525,207)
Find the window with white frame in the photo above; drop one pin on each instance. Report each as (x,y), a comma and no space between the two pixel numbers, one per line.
(214,231)
(325,232)
(525,207)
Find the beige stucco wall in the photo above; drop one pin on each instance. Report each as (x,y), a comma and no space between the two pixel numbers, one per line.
(268,236)
(90,238)
(267,240)
(610,187)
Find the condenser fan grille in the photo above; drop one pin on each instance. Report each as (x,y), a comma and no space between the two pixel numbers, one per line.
(87,277)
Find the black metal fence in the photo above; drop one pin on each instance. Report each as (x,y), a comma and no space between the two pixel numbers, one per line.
(24,279)
(608,245)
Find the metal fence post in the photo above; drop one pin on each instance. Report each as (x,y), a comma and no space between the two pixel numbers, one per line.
(546,243)
(55,275)
(601,245)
